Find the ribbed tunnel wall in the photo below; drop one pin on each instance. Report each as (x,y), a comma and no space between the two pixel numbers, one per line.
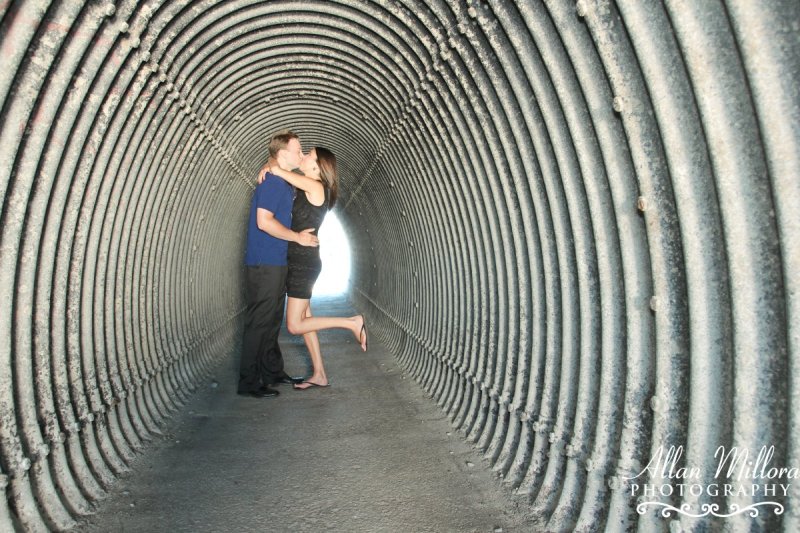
(575,225)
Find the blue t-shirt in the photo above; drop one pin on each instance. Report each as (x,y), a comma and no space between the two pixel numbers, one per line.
(276,196)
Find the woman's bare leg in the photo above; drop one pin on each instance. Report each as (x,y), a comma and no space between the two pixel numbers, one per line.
(299,324)
(312,343)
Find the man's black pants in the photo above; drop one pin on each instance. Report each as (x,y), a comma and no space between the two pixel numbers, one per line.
(262,361)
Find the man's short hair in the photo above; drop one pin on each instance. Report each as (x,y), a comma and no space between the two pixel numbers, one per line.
(280,141)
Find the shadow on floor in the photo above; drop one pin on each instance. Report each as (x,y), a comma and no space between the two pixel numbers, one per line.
(370,453)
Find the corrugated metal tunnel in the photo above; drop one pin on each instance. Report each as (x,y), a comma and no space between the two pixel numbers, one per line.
(575,225)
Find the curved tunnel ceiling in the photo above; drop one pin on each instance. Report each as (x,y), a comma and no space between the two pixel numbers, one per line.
(575,225)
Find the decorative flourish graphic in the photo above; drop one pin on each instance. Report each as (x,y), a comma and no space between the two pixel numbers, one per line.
(709,509)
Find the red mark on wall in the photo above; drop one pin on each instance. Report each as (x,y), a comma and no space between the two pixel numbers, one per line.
(21,23)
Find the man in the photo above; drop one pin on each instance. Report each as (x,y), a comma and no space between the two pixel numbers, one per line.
(268,237)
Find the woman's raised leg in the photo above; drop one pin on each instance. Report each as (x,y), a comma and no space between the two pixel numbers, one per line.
(299,324)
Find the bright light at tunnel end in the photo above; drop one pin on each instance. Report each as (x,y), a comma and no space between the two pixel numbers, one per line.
(334,250)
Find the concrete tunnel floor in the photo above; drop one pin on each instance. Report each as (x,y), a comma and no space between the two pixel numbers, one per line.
(370,453)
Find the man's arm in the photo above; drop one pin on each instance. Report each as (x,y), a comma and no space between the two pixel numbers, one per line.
(265,220)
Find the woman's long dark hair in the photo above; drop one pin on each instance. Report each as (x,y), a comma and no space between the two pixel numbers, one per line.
(326,162)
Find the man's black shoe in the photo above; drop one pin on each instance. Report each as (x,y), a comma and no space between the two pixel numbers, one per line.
(262,392)
(289,380)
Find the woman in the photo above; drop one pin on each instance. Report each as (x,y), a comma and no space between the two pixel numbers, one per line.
(317,189)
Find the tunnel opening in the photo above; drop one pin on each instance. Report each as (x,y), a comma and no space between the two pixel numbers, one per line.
(334,280)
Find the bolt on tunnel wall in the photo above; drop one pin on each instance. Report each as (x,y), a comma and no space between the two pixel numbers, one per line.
(573,223)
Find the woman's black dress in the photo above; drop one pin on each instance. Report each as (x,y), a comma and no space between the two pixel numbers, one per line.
(303,261)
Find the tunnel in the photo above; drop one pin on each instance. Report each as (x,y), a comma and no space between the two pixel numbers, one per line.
(574,224)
